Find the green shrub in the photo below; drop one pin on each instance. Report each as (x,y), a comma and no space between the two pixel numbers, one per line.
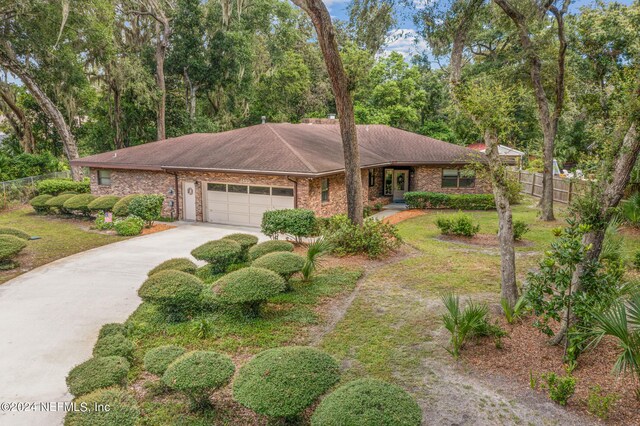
(631,210)
(129,226)
(104,203)
(79,203)
(177,264)
(97,373)
(560,388)
(101,224)
(599,404)
(176,293)
(282,382)
(520,228)
(114,345)
(374,238)
(15,232)
(435,200)
(157,360)
(298,223)
(198,373)
(457,224)
(112,328)
(514,191)
(39,203)
(10,246)
(58,202)
(246,241)
(636,260)
(282,263)
(368,402)
(249,288)
(269,247)
(147,207)
(219,253)
(58,186)
(121,208)
(123,409)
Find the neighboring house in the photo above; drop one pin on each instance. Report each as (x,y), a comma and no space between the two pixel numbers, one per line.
(235,176)
(510,156)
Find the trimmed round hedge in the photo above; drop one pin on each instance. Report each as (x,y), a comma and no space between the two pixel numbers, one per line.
(177,264)
(15,232)
(147,207)
(10,246)
(269,247)
(282,263)
(157,360)
(246,241)
(282,382)
(96,373)
(198,373)
(129,227)
(219,253)
(112,328)
(121,208)
(249,287)
(39,203)
(114,345)
(368,402)
(58,201)
(104,203)
(123,409)
(79,203)
(175,292)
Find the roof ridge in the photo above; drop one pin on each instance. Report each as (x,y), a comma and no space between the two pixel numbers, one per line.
(296,153)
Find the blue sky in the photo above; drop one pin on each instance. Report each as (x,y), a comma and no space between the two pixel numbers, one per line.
(402,39)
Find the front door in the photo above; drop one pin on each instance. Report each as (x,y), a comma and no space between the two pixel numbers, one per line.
(189,198)
(400,184)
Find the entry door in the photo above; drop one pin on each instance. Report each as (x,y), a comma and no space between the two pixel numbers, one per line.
(189,201)
(400,184)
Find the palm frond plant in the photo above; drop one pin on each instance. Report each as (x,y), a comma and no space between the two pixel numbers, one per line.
(315,251)
(631,210)
(613,241)
(513,314)
(464,323)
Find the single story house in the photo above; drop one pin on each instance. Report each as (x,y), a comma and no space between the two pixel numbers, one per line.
(508,155)
(233,177)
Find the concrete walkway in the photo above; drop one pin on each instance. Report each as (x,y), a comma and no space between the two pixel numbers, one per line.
(50,317)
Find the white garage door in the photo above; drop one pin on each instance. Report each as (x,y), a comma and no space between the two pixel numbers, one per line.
(238,204)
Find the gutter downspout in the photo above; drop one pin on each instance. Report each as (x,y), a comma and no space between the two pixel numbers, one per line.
(177,187)
(295,192)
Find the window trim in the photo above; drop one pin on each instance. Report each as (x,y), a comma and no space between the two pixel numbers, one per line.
(324,192)
(458,178)
(101,179)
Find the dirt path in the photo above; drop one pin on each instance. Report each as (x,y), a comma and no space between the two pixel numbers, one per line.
(392,330)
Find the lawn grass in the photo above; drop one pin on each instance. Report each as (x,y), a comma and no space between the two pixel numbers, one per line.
(60,237)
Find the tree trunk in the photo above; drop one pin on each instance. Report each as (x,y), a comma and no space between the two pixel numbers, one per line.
(23,126)
(611,196)
(325,30)
(509,287)
(48,107)
(117,117)
(162,31)
(190,95)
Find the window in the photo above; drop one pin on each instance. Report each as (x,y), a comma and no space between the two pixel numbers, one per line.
(282,192)
(259,190)
(325,190)
(388,182)
(372,178)
(456,178)
(104,177)
(238,189)
(218,187)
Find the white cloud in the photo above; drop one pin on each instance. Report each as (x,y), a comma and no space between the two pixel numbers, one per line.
(405,41)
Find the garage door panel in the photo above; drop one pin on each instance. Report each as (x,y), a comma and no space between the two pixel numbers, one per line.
(217,196)
(238,208)
(282,202)
(222,217)
(255,219)
(238,198)
(260,200)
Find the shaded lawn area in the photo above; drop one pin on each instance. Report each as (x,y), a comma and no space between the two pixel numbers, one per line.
(60,237)
(287,319)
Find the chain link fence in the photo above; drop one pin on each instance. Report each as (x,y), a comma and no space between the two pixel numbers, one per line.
(22,190)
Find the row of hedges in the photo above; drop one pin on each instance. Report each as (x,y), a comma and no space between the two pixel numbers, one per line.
(58,186)
(438,200)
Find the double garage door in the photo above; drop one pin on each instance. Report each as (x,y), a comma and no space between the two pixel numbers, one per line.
(240,204)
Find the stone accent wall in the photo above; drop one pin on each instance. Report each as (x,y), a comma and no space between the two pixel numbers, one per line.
(429,178)
(126,182)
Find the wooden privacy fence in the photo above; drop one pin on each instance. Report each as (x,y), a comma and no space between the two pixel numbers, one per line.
(564,189)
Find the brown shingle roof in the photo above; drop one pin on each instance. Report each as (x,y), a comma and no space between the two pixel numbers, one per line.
(293,149)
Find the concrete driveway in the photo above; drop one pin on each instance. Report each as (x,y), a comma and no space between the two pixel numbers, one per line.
(50,317)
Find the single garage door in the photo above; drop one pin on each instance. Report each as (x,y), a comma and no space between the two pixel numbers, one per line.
(239,204)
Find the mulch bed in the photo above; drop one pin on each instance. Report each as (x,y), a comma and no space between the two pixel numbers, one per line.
(525,351)
(403,215)
(481,240)
(158,227)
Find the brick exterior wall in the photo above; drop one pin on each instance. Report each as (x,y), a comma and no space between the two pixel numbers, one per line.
(125,182)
